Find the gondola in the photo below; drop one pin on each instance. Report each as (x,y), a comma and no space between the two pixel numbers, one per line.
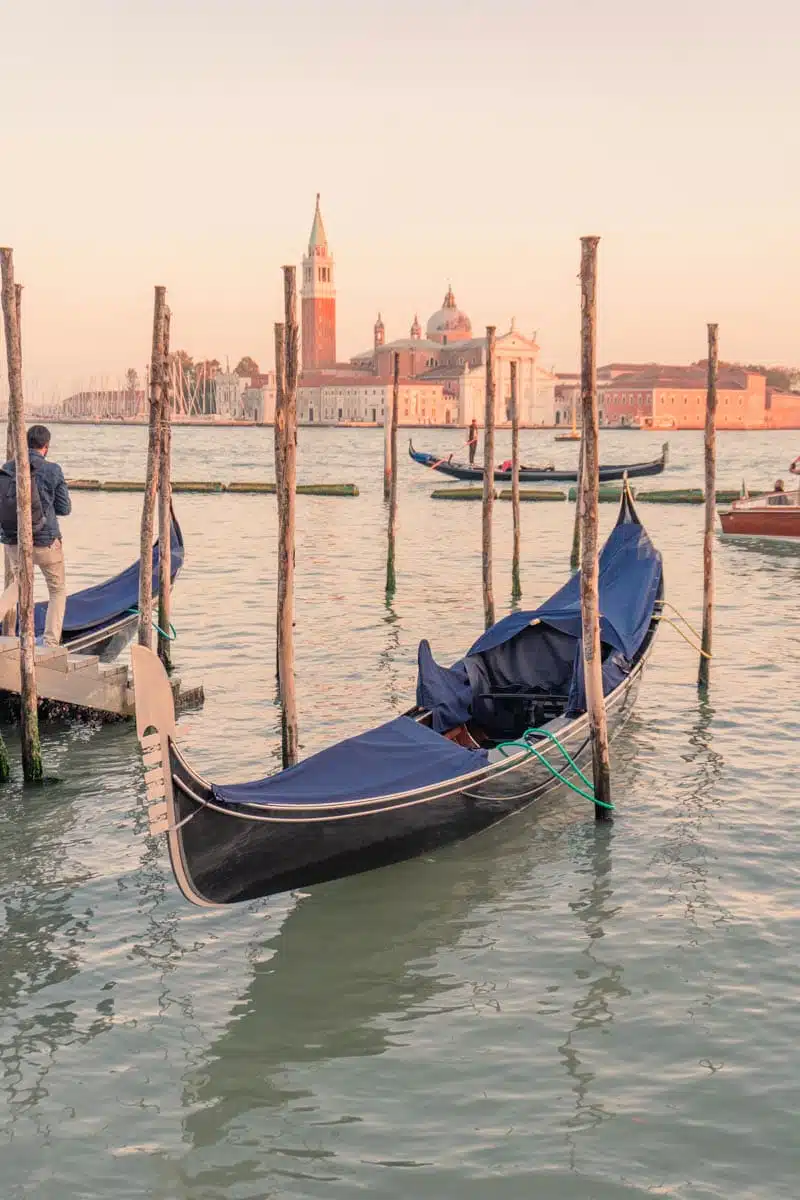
(439,773)
(549,474)
(102,619)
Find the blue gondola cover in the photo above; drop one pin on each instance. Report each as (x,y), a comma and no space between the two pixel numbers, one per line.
(399,756)
(540,649)
(102,605)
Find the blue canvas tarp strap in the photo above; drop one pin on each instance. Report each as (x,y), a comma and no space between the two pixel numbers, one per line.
(400,756)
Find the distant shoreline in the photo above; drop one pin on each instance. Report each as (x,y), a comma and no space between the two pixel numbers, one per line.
(233,424)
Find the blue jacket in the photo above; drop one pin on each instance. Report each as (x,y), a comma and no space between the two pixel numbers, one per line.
(54,495)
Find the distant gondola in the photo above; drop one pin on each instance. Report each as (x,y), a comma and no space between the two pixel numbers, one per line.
(549,474)
(434,776)
(102,619)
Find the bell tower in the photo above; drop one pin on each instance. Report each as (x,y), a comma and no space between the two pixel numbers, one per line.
(318,299)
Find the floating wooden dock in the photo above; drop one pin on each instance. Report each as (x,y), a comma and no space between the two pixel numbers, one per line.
(241,487)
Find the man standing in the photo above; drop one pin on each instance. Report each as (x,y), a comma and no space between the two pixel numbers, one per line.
(473,441)
(49,500)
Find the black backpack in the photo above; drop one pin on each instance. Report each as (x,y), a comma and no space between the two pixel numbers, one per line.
(8,505)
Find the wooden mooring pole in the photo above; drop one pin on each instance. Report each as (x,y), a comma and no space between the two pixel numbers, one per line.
(153,470)
(391,577)
(710,514)
(575,556)
(29,709)
(590,487)
(10,619)
(516,587)
(280,413)
(488,478)
(165,511)
(286,524)
(389,464)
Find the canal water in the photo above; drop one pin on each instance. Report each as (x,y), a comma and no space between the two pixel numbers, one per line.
(552,1009)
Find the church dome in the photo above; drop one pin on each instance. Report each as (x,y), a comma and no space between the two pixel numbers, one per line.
(449,323)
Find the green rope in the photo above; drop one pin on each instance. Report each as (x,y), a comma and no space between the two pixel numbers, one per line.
(169,636)
(524,744)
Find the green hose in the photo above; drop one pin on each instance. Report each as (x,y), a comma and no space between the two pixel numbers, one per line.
(524,744)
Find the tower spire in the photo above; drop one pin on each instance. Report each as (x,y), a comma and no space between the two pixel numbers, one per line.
(318,242)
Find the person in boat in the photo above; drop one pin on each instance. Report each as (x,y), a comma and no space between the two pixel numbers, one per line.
(50,500)
(779,493)
(473,441)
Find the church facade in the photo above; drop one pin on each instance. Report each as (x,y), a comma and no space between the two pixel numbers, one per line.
(442,374)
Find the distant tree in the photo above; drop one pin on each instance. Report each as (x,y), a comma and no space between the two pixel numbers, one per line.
(132,379)
(185,360)
(247,367)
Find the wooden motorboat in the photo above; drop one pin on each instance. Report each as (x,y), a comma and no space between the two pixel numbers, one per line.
(540,474)
(774,516)
(486,738)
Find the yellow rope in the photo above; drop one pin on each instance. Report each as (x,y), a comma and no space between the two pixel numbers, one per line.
(682,617)
(688,640)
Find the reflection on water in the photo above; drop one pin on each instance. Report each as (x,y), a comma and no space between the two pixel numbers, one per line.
(552,1008)
(600,982)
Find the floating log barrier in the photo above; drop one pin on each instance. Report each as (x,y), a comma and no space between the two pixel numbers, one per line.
(692,496)
(532,494)
(606,494)
(589,522)
(214,487)
(475,493)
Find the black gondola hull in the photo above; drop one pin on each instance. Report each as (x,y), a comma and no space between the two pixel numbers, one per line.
(221,856)
(608,474)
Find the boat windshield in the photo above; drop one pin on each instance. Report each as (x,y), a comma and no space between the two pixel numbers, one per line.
(779,499)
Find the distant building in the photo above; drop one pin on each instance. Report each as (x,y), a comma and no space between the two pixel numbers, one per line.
(443,373)
(228,392)
(666,397)
(318,300)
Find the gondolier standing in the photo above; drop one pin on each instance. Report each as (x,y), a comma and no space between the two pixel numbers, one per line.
(50,499)
(473,441)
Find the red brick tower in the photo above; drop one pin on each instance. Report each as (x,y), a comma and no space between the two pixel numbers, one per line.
(318,300)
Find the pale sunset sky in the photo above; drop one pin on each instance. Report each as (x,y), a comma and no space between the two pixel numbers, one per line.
(182,142)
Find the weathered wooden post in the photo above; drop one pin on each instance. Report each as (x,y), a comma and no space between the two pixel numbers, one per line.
(516,588)
(280,421)
(590,600)
(10,619)
(391,578)
(575,556)
(711,502)
(286,564)
(31,749)
(153,470)
(165,510)
(488,478)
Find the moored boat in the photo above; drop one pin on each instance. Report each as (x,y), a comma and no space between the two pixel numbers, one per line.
(538,474)
(487,737)
(773,517)
(103,618)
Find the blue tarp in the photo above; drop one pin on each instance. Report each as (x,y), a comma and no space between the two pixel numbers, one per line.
(399,756)
(101,605)
(538,652)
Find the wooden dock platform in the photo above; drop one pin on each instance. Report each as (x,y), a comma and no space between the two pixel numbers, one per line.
(82,682)
(75,679)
